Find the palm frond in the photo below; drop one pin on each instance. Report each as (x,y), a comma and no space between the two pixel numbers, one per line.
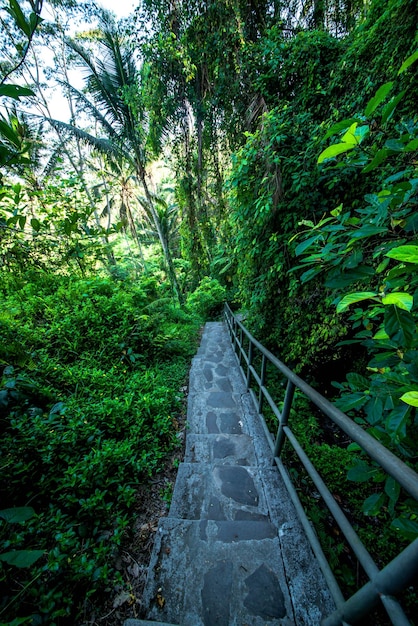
(81,97)
(101,89)
(104,146)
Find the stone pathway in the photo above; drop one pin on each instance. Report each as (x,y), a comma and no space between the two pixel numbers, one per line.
(231,552)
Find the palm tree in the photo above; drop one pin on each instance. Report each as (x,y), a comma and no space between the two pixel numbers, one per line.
(113,102)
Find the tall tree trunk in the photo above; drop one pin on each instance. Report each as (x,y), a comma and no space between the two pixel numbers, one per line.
(162,238)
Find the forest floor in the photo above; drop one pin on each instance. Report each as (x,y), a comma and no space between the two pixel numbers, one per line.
(152,503)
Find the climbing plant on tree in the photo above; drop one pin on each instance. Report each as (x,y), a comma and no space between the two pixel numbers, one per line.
(195,81)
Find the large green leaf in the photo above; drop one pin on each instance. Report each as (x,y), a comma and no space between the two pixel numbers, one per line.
(379,96)
(395,144)
(407,253)
(19,17)
(392,490)
(15,91)
(412,146)
(411,398)
(339,126)
(340,278)
(367,230)
(361,472)
(411,59)
(378,158)
(35,223)
(335,150)
(350,135)
(21,558)
(17,514)
(406,527)
(399,299)
(357,382)
(399,325)
(311,273)
(305,244)
(373,504)
(391,106)
(352,401)
(9,132)
(397,421)
(374,410)
(352,298)
(384,359)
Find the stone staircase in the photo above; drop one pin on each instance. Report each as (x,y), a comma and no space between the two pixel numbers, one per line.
(231,551)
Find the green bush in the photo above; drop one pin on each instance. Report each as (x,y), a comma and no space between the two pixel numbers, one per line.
(208,299)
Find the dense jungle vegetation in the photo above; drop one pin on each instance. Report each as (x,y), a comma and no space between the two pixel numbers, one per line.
(262,152)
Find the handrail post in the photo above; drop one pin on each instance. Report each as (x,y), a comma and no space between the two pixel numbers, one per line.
(250,362)
(262,383)
(235,335)
(290,390)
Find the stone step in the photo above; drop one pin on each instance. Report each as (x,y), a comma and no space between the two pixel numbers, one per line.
(209,376)
(220,492)
(144,622)
(222,449)
(214,412)
(207,573)
(223,413)
(215,344)
(178,544)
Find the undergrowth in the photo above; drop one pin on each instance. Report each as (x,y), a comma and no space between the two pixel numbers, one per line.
(88,412)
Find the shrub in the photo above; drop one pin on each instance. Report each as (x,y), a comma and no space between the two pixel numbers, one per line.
(207,300)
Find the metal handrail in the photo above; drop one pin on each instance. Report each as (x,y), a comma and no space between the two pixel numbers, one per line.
(397,574)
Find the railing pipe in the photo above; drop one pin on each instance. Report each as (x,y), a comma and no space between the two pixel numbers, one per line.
(249,364)
(399,572)
(287,405)
(353,539)
(330,580)
(240,341)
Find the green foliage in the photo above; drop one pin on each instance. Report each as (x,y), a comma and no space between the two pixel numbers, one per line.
(356,247)
(378,511)
(19,558)
(80,357)
(274,184)
(88,411)
(348,301)
(63,236)
(13,148)
(208,299)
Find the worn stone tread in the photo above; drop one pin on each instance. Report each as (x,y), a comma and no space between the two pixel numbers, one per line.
(207,573)
(222,448)
(218,492)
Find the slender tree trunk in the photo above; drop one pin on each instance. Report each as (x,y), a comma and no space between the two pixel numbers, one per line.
(162,239)
(132,227)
